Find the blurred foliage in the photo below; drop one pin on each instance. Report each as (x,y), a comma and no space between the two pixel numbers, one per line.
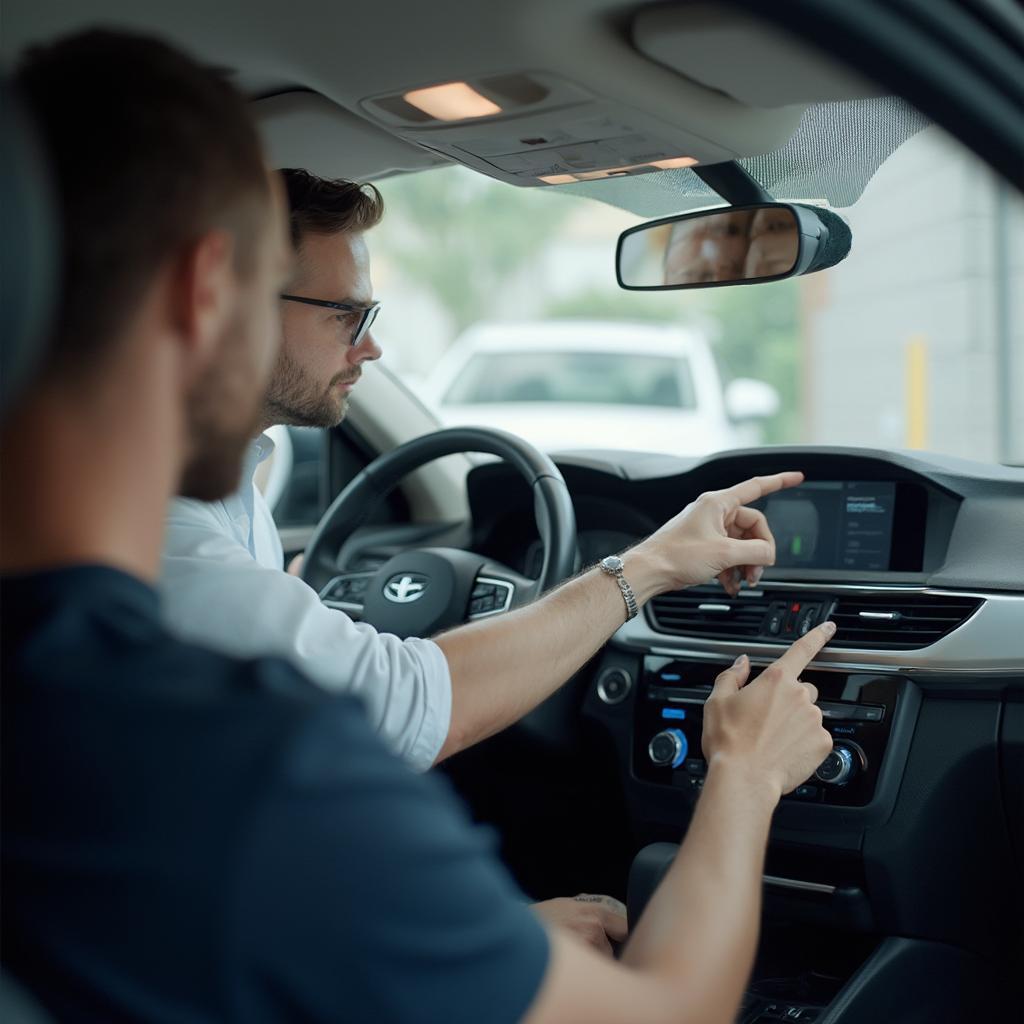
(759,336)
(462,235)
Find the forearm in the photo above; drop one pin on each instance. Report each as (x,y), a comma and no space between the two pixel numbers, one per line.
(699,931)
(503,667)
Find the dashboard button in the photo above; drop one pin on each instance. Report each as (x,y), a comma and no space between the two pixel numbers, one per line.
(775,618)
(613,686)
(806,792)
(695,766)
(668,747)
(839,767)
(807,618)
(863,714)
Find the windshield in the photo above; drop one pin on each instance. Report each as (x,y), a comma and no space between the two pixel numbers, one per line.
(590,378)
(913,342)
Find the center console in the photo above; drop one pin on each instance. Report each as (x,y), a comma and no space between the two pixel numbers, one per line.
(857,709)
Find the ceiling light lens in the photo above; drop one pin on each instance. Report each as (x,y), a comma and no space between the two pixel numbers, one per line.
(454,101)
(676,161)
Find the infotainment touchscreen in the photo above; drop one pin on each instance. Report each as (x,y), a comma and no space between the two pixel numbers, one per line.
(826,524)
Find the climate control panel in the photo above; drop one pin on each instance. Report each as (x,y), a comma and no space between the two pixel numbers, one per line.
(669,717)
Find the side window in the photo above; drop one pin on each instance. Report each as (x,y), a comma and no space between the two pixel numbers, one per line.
(296,485)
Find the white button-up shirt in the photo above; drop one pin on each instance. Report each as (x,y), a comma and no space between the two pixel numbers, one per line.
(223,585)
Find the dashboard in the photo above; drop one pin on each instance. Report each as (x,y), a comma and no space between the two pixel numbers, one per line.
(919,560)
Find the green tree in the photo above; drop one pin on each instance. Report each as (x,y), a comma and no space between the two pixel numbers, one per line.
(462,235)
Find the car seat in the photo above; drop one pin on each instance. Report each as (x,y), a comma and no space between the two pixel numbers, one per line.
(28,247)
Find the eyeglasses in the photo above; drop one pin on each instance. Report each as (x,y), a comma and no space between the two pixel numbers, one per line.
(367,313)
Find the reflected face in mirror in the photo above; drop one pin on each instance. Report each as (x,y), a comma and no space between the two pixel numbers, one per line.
(774,243)
(708,249)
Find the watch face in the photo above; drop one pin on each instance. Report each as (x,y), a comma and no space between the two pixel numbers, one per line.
(612,562)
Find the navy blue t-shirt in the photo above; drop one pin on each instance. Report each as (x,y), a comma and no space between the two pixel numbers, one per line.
(188,837)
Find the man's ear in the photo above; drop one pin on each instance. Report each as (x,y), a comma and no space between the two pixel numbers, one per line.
(204,294)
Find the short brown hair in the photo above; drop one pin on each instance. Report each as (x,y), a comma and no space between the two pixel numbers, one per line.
(149,151)
(327,206)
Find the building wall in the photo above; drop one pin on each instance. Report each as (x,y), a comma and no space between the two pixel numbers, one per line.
(922,275)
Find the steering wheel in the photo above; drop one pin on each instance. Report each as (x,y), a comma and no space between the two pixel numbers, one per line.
(423,590)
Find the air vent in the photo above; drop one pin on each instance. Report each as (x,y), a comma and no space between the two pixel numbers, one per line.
(709,612)
(900,622)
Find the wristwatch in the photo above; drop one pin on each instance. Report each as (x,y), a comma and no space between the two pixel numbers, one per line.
(613,565)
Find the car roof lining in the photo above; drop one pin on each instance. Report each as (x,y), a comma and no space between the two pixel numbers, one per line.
(320,60)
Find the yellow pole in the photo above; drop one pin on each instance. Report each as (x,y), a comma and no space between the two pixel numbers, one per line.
(916,398)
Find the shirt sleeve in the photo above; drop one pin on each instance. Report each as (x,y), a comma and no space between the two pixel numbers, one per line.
(364,894)
(213,592)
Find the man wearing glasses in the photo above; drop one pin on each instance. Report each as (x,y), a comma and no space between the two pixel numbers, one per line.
(223,582)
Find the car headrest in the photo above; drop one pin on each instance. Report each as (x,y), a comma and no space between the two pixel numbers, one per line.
(28,246)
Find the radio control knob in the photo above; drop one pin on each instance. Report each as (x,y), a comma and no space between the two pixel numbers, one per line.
(839,767)
(668,748)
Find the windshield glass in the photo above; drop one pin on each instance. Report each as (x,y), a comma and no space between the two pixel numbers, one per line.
(591,378)
(916,341)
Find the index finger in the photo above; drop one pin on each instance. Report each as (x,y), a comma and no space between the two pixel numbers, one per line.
(758,486)
(805,650)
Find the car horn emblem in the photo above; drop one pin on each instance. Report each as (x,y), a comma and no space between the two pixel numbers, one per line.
(405,588)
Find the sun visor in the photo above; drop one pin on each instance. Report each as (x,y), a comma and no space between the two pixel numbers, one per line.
(301,129)
(743,57)
(831,158)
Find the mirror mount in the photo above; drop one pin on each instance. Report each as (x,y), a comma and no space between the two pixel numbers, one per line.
(733,183)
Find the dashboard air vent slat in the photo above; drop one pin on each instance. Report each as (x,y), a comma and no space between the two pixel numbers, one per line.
(917,619)
(681,613)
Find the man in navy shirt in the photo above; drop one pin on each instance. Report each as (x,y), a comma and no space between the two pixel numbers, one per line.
(181,839)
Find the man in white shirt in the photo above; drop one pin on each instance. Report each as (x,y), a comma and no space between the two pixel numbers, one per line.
(224,584)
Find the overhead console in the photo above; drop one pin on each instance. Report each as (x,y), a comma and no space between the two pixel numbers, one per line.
(539,129)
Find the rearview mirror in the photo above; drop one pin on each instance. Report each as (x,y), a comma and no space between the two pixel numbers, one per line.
(730,245)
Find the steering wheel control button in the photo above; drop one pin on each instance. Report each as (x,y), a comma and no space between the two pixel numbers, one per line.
(838,768)
(614,686)
(490,596)
(346,591)
(668,748)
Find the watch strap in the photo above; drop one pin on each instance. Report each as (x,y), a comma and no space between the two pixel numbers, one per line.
(632,608)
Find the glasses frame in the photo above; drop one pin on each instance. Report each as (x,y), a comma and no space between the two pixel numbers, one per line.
(369,313)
